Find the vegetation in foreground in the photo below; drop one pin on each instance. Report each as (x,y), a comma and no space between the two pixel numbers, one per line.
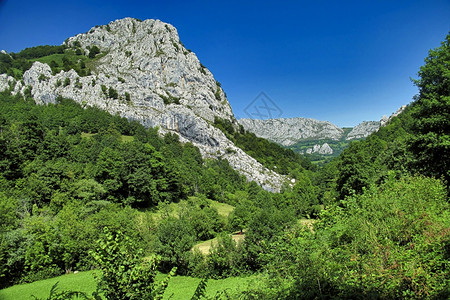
(382,207)
(179,287)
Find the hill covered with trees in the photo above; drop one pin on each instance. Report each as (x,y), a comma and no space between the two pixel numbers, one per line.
(80,187)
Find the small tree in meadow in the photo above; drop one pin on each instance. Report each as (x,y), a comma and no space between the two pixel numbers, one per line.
(125,274)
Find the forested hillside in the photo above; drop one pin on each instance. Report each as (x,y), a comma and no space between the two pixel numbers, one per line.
(385,230)
(82,189)
(67,172)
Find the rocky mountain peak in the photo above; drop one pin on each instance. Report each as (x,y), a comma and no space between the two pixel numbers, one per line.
(312,133)
(141,71)
(289,131)
(150,54)
(363,130)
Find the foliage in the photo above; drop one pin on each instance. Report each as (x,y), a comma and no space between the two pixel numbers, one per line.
(266,224)
(200,291)
(93,51)
(124,273)
(39,51)
(174,240)
(169,99)
(203,218)
(389,242)
(69,171)
(225,258)
(112,93)
(271,155)
(431,141)
(57,57)
(303,198)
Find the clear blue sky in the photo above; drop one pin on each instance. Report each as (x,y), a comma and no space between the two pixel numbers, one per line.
(340,61)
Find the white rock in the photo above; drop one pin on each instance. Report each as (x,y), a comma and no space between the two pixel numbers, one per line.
(289,131)
(6,82)
(147,60)
(323,149)
(363,130)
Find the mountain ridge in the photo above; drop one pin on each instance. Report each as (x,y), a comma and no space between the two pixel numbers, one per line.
(142,71)
(289,132)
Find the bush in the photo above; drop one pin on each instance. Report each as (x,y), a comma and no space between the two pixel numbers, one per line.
(40,51)
(93,51)
(391,242)
(174,240)
(124,272)
(226,258)
(112,93)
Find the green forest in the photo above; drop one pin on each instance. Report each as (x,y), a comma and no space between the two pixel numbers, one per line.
(81,189)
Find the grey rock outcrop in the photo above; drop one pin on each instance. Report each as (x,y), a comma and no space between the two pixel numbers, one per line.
(385,120)
(289,131)
(158,82)
(6,82)
(363,130)
(323,149)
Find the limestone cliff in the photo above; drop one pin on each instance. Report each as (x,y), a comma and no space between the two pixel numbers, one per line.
(312,133)
(363,130)
(158,83)
(289,131)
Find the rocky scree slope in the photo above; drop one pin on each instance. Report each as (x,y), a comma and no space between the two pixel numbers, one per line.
(158,83)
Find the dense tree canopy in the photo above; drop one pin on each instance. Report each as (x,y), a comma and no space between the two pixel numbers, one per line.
(371,224)
(431,141)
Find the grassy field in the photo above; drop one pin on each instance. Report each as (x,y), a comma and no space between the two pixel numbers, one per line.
(204,247)
(82,281)
(174,209)
(58,58)
(222,208)
(180,287)
(123,138)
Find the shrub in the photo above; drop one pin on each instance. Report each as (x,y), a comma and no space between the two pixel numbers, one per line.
(125,274)
(104,89)
(174,240)
(93,51)
(42,77)
(112,93)
(391,242)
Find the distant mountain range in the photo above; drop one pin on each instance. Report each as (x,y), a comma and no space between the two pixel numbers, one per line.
(310,136)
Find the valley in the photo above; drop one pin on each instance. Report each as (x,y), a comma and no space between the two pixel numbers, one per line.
(120,156)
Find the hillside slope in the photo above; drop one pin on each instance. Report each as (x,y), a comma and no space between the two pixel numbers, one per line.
(140,70)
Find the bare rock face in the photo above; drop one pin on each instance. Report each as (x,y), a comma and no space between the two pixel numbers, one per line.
(158,83)
(385,120)
(289,131)
(363,130)
(6,82)
(323,149)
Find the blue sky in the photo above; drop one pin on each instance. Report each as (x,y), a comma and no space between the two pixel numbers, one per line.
(340,61)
